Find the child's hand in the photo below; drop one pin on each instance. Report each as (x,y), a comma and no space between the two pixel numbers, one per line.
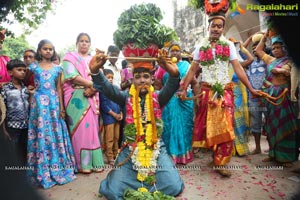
(62,114)
(121,116)
(118,117)
(89,92)
(31,89)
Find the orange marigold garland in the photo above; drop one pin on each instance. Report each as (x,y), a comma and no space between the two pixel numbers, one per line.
(223,5)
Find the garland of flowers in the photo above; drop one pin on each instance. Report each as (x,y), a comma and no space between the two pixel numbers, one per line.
(215,64)
(143,139)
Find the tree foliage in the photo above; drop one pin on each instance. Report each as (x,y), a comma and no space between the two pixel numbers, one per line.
(196,4)
(69,48)
(29,13)
(15,47)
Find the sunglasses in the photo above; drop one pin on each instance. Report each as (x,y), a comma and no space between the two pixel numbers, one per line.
(138,76)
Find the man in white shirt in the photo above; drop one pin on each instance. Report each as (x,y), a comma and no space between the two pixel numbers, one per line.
(113,65)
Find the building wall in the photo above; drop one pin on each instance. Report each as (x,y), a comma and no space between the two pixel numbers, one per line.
(191,25)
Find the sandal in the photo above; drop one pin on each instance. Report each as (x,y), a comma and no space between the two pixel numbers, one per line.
(98,170)
(85,171)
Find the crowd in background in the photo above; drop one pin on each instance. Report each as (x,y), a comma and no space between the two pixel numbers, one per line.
(61,125)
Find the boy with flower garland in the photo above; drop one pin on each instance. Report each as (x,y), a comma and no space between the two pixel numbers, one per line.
(143,163)
(213,121)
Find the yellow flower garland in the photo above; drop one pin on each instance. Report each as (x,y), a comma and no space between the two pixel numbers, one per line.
(147,149)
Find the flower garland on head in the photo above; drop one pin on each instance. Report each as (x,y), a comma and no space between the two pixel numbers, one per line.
(142,132)
(215,7)
(215,72)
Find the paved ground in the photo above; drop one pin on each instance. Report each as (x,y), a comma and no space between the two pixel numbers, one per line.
(248,181)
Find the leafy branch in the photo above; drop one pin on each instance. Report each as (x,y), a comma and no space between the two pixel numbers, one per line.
(140,24)
(29,13)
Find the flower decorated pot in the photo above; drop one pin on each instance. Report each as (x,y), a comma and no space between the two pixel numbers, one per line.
(213,6)
(131,50)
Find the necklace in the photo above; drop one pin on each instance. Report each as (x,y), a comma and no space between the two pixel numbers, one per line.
(142,130)
(215,64)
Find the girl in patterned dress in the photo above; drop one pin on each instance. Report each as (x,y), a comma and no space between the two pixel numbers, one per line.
(50,156)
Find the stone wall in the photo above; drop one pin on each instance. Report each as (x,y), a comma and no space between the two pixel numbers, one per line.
(189,24)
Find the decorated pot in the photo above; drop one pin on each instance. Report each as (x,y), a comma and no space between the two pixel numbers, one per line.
(130,50)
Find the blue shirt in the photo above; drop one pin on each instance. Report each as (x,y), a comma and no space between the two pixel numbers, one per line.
(107,105)
(256,74)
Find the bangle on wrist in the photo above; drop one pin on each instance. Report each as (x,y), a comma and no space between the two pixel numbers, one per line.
(90,85)
(95,73)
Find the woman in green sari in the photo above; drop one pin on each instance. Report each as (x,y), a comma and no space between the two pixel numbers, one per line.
(281,119)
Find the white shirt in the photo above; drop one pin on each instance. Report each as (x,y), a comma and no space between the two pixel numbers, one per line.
(117,72)
(223,70)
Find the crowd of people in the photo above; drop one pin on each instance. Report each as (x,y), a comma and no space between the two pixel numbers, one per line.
(153,118)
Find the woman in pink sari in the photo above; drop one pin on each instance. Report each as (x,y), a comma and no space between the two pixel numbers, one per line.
(4,76)
(82,107)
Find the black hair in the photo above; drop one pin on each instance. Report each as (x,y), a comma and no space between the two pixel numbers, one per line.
(38,56)
(15,63)
(82,34)
(113,48)
(29,50)
(124,64)
(107,71)
(217,15)
(58,57)
(140,70)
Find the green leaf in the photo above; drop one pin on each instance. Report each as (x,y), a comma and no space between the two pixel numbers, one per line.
(140,24)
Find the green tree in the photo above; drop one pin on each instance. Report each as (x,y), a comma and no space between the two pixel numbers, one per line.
(69,48)
(29,13)
(15,47)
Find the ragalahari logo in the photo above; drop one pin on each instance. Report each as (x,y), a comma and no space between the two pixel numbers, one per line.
(236,10)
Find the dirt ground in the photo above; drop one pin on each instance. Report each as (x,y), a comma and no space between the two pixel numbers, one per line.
(251,179)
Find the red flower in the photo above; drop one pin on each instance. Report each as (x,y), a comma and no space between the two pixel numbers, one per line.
(219,49)
(156,106)
(202,56)
(129,114)
(226,51)
(140,138)
(223,104)
(209,54)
